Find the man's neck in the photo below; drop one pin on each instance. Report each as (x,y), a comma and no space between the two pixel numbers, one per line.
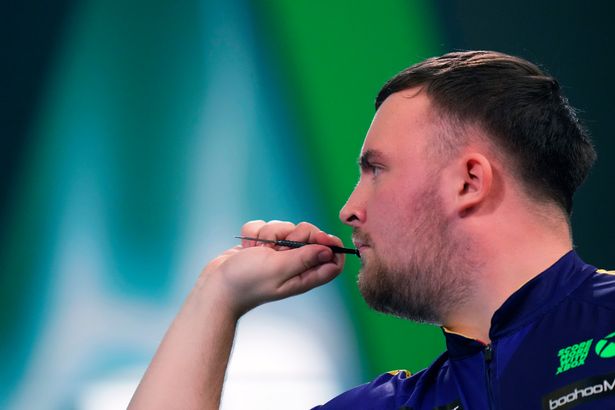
(511,255)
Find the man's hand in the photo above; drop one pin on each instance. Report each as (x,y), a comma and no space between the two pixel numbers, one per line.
(255,273)
(188,369)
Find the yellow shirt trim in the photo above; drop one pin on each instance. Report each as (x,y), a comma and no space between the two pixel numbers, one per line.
(396,372)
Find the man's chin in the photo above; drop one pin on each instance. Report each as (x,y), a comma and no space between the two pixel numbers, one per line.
(369,285)
(361,280)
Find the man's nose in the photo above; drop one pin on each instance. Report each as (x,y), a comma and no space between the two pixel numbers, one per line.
(353,212)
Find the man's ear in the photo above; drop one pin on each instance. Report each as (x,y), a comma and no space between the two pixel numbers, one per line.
(474,178)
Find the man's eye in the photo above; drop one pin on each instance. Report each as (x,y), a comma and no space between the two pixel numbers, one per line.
(375,170)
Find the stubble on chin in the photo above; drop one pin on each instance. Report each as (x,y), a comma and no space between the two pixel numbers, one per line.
(426,283)
(397,292)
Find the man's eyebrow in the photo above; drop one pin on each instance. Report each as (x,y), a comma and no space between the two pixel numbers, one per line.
(368,157)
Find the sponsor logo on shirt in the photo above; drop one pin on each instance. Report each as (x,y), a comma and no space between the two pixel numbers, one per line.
(605,347)
(579,392)
(573,356)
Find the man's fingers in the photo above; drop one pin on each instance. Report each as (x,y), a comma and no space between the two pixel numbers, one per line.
(304,232)
(293,262)
(310,279)
(274,230)
(271,230)
(250,229)
(306,268)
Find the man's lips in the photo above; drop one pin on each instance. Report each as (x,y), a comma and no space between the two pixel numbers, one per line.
(359,244)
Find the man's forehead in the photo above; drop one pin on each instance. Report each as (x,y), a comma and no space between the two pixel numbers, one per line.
(402,121)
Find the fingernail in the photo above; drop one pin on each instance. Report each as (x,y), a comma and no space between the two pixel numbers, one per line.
(325,256)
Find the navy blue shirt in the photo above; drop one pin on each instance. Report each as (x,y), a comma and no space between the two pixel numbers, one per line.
(552,347)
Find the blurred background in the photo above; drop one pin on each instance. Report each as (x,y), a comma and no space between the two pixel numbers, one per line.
(138,136)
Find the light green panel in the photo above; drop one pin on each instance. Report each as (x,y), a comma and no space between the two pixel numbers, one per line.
(335,57)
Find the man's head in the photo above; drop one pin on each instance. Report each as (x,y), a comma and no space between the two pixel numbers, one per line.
(520,108)
(418,256)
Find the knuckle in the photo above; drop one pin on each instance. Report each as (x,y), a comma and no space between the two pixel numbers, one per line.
(254,221)
(276,224)
(251,226)
(307,264)
(275,221)
(306,225)
(275,229)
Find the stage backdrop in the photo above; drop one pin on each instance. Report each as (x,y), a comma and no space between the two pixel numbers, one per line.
(138,136)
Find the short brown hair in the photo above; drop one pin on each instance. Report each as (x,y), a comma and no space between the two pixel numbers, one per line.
(521,108)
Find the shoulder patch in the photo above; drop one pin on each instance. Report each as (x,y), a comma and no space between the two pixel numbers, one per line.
(606,272)
(405,373)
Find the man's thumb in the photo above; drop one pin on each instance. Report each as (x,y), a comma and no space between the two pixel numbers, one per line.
(305,258)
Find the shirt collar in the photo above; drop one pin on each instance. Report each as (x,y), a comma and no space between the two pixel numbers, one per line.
(530,301)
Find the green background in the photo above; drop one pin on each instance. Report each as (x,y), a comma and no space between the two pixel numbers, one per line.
(109,91)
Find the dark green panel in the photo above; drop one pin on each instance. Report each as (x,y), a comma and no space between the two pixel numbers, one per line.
(573,41)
